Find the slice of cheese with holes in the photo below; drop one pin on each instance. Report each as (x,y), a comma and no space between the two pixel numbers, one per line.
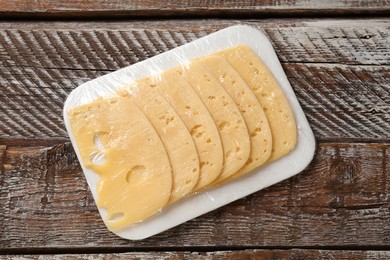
(227,116)
(135,175)
(268,92)
(198,120)
(250,108)
(174,134)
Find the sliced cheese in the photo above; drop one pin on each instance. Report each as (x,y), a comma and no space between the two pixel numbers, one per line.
(250,108)
(268,92)
(174,134)
(198,120)
(135,175)
(231,125)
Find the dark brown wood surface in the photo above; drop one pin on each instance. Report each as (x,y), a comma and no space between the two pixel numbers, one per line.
(341,200)
(338,208)
(166,8)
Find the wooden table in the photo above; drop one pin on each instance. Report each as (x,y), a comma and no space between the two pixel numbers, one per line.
(337,57)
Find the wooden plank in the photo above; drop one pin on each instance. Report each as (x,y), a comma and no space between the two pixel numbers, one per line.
(221,255)
(117,8)
(339,72)
(341,102)
(112,45)
(341,200)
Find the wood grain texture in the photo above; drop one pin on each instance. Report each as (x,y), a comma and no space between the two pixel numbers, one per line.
(341,200)
(346,41)
(338,69)
(167,8)
(221,255)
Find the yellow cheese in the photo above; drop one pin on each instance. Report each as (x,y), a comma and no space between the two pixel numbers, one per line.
(268,92)
(191,127)
(135,175)
(174,134)
(195,116)
(250,108)
(232,129)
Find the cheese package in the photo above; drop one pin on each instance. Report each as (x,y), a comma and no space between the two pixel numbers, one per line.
(187,131)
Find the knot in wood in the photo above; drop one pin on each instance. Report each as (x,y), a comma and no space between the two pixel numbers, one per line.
(344,172)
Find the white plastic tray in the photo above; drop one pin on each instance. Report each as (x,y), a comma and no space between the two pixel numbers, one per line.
(206,201)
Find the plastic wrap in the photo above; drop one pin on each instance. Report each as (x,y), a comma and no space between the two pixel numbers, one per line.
(160,111)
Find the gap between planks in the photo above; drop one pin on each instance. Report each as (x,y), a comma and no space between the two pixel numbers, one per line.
(10,142)
(169,9)
(173,249)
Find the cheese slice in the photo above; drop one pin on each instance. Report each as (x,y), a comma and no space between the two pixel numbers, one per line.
(174,134)
(135,173)
(198,120)
(227,116)
(268,92)
(250,108)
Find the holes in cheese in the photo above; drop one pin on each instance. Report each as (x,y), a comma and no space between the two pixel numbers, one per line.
(174,134)
(263,84)
(136,174)
(136,177)
(231,125)
(198,120)
(251,110)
